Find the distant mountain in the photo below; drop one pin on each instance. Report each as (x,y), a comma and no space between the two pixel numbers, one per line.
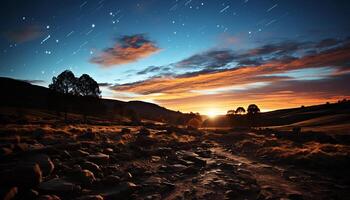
(21,94)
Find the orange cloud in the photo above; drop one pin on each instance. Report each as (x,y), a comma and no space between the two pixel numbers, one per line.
(127,49)
(263,84)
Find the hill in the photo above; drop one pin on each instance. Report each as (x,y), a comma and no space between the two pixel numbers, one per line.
(325,117)
(19,94)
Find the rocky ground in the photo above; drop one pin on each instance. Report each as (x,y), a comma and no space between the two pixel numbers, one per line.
(164,162)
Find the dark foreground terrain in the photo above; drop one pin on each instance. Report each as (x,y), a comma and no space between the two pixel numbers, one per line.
(46,159)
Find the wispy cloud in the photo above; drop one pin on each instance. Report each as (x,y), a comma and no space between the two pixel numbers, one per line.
(33,81)
(23,33)
(127,49)
(284,70)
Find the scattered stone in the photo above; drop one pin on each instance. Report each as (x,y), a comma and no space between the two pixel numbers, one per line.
(89,135)
(111,180)
(58,185)
(30,194)
(79,153)
(144,132)
(155,158)
(295,196)
(85,177)
(8,194)
(99,158)
(38,134)
(44,161)
(123,191)
(21,147)
(91,197)
(4,151)
(26,175)
(49,197)
(108,151)
(91,166)
(125,131)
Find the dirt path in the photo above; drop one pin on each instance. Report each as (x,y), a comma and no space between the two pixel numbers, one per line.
(269,178)
(230,176)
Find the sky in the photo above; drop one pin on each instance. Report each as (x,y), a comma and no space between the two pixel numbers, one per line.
(205,56)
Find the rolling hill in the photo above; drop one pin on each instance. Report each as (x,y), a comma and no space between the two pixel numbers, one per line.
(20,94)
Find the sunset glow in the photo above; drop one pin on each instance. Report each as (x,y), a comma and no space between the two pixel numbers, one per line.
(212,113)
(185,56)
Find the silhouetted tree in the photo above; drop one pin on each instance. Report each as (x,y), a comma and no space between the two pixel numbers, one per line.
(87,86)
(65,83)
(252,112)
(240,110)
(253,109)
(231,112)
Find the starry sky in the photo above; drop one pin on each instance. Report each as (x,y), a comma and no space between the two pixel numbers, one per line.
(204,56)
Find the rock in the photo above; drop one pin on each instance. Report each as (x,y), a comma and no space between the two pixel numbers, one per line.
(164,151)
(125,131)
(99,158)
(111,180)
(91,166)
(65,154)
(4,151)
(21,147)
(108,151)
(25,193)
(190,170)
(79,153)
(91,197)
(178,167)
(136,170)
(227,166)
(191,156)
(58,185)
(49,197)
(153,197)
(295,196)
(44,161)
(38,134)
(8,194)
(155,158)
(26,175)
(144,132)
(89,135)
(123,191)
(126,176)
(85,177)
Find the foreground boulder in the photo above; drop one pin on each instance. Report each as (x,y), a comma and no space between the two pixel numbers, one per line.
(123,191)
(9,193)
(44,161)
(99,158)
(59,186)
(25,175)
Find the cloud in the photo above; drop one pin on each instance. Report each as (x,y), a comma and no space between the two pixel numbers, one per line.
(309,78)
(210,59)
(24,33)
(150,69)
(105,84)
(127,49)
(33,81)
